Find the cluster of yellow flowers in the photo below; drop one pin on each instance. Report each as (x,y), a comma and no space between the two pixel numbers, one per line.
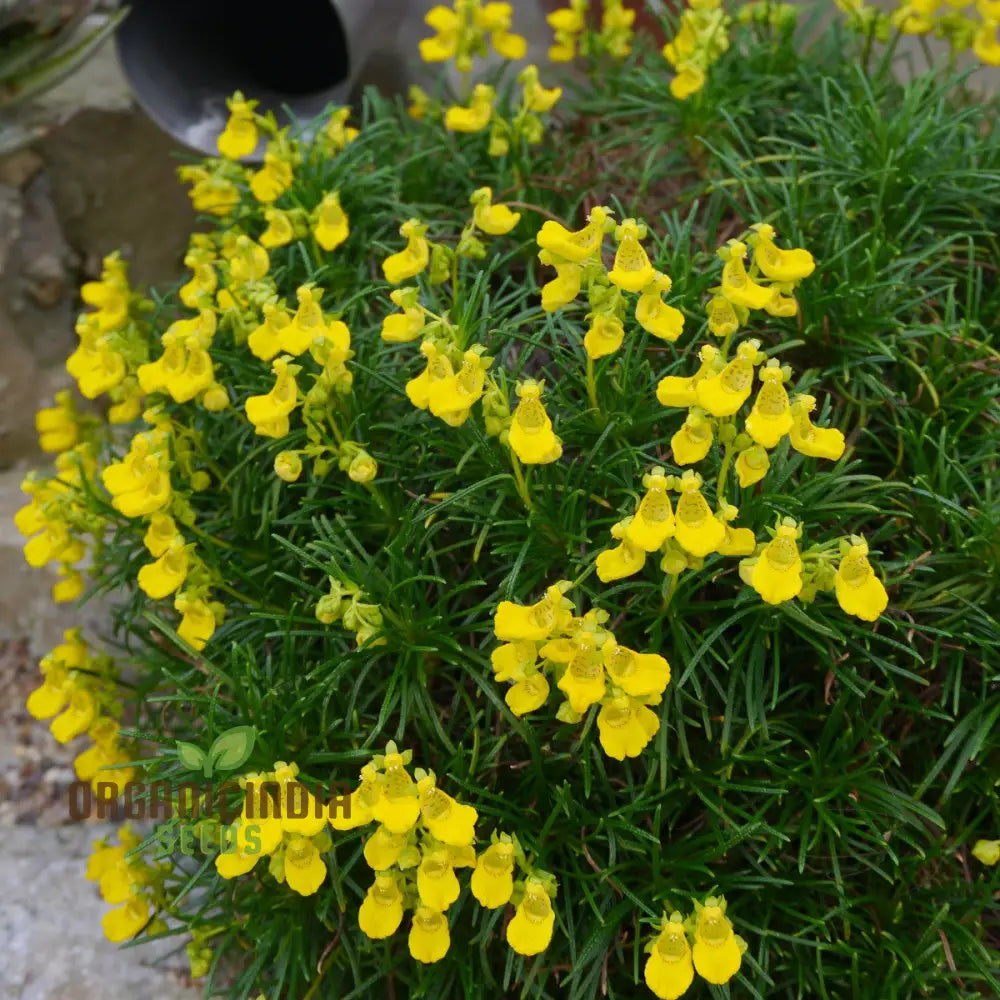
(590,665)
(282,821)
(966,26)
(422,836)
(569,26)
(128,883)
(79,690)
(702,37)
(576,256)
(716,954)
(467,29)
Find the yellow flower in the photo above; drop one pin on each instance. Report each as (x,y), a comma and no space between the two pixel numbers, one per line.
(723,394)
(383,848)
(332,226)
(986,45)
(625,726)
(654,315)
(641,675)
(583,680)
(531,436)
(492,882)
(722,317)
(338,131)
(265,340)
(272,180)
(438,368)
(777,575)
(126,921)
(625,559)
(738,542)
(288,466)
(566,23)
(535,97)
(689,80)
(816,442)
(654,521)
(234,863)
(669,969)
(497,220)
(579,245)
(264,410)
(437,885)
(76,718)
(716,952)
(197,624)
(694,439)
(363,468)
(527,694)
(604,335)
(986,851)
(859,591)
(565,286)
(56,426)
(210,192)
(307,326)
(163,577)
(444,45)
(777,264)
(454,396)
(679,390)
(511,660)
(448,821)
(736,284)
(771,417)
(632,270)
(698,530)
(304,867)
(429,939)
(536,622)
(413,259)
(381,911)
(530,930)
(400,328)
(752,465)
(476,116)
(69,586)
(239,138)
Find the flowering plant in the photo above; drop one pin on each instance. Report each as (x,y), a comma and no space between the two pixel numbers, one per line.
(596,501)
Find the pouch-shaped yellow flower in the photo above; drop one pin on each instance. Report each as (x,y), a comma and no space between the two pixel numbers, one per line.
(492,882)
(444,44)
(681,390)
(272,180)
(497,220)
(531,436)
(583,680)
(515,622)
(736,283)
(654,315)
(429,938)
(512,659)
(578,245)
(698,530)
(622,560)
(565,286)
(777,264)
(332,225)
(530,930)
(723,394)
(437,884)
(448,821)
(239,137)
(280,230)
(383,848)
(413,258)
(771,417)
(197,624)
(475,116)
(987,852)
(806,438)
(653,522)
(438,369)
(693,441)
(722,317)
(777,575)
(527,694)
(304,866)
(162,577)
(381,911)
(669,970)
(859,591)
(716,951)
(641,675)
(632,270)
(625,726)
(751,465)
(126,921)
(604,336)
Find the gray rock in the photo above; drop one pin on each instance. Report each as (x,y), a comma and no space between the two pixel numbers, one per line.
(50,922)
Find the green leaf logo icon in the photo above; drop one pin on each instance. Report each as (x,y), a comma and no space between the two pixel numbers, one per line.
(230,750)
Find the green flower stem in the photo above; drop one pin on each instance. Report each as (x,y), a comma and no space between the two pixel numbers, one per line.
(522,486)
(592,385)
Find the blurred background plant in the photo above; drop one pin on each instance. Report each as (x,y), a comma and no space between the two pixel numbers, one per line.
(41,43)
